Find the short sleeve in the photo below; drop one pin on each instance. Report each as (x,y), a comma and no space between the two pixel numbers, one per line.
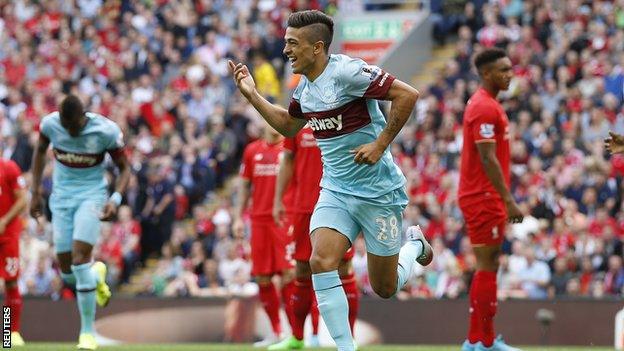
(15,179)
(115,145)
(45,127)
(483,127)
(246,169)
(360,79)
(294,109)
(290,144)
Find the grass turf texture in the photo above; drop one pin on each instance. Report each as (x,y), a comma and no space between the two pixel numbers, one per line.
(247,347)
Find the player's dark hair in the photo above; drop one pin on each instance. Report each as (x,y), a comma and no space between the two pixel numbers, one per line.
(321,25)
(71,108)
(488,56)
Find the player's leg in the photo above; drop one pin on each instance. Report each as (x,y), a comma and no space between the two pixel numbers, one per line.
(9,271)
(263,270)
(63,232)
(328,247)
(297,301)
(486,226)
(302,303)
(86,232)
(483,295)
(287,292)
(315,316)
(284,250)
(349,284)
(333,230)
(389,264)
(300,299)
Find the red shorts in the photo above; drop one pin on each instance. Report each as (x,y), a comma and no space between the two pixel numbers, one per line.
(485,222)
(268,248)
(9,258)
(300,231)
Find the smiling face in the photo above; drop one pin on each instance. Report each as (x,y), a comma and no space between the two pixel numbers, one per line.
(301,51)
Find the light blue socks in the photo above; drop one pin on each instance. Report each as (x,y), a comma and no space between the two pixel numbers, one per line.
(407,257)
(85,291)
(332,303)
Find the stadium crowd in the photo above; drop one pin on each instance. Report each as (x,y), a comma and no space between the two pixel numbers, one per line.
(159,70)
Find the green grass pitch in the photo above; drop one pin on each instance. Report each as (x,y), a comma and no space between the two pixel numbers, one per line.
(247,347)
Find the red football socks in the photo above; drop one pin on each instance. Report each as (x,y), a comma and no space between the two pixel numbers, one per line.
(483,305)
(270,302)
(314,313)
(288,293)
(301,301)
(353,297)
(13,299)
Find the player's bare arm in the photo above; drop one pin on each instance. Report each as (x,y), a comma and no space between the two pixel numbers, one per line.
(39,159)
(614,143)
(403,98)
(121,161)
(286,170)
(278,117)
(18,206)
(494,172)
(244,190)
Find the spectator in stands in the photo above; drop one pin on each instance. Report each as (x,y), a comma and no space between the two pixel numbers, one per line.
(535,277)
(128,232)
(614,277)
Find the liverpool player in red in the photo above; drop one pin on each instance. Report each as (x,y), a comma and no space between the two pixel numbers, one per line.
(301,162)
(12,203)
(484,196)
(268,241)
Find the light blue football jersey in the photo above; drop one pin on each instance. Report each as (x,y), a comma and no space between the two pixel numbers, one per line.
(342,109)
(79,166)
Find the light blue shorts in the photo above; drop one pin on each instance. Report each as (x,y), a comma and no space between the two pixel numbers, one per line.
(75,220)
(379,219)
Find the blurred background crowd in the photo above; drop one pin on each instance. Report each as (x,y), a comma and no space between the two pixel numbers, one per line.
(158,69)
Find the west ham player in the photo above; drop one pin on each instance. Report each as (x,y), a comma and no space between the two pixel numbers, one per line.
(301,162)
(268,241)
(80,141)
(484,196)
(362,189)
(12,203)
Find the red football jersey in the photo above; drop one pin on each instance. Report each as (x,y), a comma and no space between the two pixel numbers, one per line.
(10,180)
(485,121)
(260,166)
(308,169)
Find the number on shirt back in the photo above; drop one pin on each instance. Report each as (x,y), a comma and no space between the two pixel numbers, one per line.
(383,224)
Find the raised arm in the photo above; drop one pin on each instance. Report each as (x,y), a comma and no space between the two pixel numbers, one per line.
(38,164)
(494,172)
(278,117)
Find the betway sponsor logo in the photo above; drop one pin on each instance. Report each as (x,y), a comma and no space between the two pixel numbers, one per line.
(383,79)
(329,123)
(77,160)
